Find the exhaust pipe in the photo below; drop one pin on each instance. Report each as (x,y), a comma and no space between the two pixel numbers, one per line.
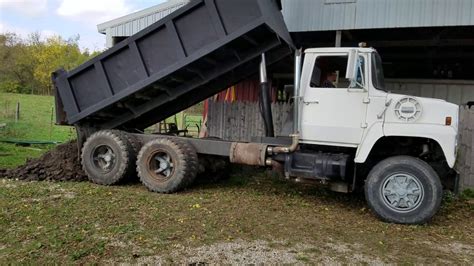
(296,93)
(295,136)
(294,145)
(265,101)
(282,150)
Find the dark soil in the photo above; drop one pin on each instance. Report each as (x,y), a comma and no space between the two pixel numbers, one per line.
(59,164)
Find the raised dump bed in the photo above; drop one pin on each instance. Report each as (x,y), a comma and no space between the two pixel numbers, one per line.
(197,51)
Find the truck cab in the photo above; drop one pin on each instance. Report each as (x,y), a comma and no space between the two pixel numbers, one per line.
(399,145)
(355,110)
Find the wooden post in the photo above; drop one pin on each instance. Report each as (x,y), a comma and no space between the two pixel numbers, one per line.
(183,121)
(338,38)
(17,112)
(51,124)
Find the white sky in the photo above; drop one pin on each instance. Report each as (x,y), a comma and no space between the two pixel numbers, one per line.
(66,17)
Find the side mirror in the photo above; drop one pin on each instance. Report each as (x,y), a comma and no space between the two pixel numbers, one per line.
(351,73)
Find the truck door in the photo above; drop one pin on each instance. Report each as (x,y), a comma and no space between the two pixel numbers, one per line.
(333,109)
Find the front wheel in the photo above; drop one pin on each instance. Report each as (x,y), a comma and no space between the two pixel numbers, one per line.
(403,190)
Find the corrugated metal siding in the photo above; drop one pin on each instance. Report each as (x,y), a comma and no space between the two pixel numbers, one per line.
(318,15)
(455,91)
(315,15)
(134,26)
(306,15)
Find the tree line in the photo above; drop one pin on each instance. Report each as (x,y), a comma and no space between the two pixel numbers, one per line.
(26,64)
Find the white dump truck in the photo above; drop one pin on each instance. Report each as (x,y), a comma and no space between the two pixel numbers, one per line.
(347,131)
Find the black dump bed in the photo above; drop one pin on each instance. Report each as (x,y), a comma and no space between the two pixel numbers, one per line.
(197,51)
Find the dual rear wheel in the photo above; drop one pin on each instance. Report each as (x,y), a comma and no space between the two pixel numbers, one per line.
(166,165)
(109,157)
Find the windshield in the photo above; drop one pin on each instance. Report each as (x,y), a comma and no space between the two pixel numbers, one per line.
(378,79)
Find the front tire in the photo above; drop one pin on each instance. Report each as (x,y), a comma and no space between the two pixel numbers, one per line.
(403,190)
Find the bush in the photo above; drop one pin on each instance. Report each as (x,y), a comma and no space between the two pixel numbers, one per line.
(10,87)
(468,194)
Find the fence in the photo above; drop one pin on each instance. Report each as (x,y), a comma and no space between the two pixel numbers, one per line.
(465,160)
(10,110)
(240,121)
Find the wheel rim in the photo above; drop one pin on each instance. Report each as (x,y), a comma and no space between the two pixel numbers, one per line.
(104,158)
(161,165)
(402,192)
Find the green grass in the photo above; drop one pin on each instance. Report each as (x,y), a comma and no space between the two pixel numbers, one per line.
(36,123)
(36,119)
(12,156)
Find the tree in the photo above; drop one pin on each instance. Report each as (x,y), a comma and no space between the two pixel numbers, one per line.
(27,64)
(16,69)
(53,54)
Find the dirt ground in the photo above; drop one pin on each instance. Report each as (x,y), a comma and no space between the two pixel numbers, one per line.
(253,217)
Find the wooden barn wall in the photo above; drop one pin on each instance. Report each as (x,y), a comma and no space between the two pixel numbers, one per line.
(240,121)
(465,162)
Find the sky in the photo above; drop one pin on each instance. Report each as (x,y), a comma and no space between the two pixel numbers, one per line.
(67,18)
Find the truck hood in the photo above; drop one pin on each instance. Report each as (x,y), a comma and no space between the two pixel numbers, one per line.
(419,110)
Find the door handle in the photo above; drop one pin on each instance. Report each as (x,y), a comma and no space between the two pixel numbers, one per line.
(312,102)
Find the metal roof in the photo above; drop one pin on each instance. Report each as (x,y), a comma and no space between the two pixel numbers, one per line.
(325,15)
(135,22)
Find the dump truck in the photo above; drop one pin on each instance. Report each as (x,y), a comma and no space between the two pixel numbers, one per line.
(347,131)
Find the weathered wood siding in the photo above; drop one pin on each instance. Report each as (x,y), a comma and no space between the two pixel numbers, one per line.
(240,121)
(465,163)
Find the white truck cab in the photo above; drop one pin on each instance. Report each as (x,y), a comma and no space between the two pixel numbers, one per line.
(357,111)
(398,139)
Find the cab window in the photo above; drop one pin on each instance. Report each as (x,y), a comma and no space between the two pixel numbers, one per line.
(359,83)
(329,72)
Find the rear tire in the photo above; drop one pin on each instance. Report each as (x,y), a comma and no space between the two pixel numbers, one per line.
(167,165)
(108,157)
(404,190)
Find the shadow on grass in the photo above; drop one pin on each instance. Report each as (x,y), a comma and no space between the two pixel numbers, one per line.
(261,182)
(265,182)
(250,182)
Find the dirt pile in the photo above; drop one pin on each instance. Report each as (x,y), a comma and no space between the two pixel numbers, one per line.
(59,164)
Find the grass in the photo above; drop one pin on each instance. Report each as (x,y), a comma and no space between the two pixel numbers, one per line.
(36,119)
(36,123)
(56,223)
